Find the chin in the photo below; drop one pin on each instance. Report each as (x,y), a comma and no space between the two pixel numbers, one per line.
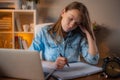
(67,30)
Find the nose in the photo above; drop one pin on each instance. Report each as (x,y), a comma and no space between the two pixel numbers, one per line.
(72,24)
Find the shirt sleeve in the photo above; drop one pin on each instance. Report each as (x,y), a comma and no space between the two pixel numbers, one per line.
(37,43)
(86,55)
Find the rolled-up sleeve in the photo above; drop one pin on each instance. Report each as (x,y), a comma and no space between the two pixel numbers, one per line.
(86,55)
(92,59)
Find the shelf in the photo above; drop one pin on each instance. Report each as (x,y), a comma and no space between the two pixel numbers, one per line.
(24,32)
(6,40)
(11,28)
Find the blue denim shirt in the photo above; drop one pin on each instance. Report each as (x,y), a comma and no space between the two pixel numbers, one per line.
(71,47)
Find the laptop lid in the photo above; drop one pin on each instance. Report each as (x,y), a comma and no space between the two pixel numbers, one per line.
(23,64)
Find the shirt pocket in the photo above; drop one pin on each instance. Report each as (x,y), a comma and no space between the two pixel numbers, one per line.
(51,51)
(52,48)
(73,46)
(52,45)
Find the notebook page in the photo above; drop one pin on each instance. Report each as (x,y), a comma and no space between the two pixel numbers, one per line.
(75,70)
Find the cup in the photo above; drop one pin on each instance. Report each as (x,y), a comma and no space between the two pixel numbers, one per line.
(24,6)
(31,27)
(26,27)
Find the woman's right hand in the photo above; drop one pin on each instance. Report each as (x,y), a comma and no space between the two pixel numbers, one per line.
(60,62)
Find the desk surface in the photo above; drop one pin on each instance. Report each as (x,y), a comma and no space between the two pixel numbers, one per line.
(97,76)
(90,77)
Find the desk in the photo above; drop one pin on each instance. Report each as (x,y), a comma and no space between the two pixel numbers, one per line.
(96,76)
(90,77)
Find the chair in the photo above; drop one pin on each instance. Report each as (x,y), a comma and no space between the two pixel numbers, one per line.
(38,27)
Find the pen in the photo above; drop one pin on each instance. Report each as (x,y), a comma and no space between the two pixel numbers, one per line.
(67,62)
(50,74)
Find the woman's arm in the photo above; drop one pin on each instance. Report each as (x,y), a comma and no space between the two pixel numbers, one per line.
(58,64)
(89,49)
(92,48)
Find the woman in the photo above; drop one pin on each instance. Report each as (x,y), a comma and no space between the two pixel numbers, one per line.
(70,36)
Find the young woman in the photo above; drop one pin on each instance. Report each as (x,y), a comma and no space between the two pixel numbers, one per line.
(66,39)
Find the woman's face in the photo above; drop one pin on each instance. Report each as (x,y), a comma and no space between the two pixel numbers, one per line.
(70,20)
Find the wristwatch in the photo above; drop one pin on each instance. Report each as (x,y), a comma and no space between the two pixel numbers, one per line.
(111,67)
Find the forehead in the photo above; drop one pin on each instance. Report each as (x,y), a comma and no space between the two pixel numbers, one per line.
(74,13)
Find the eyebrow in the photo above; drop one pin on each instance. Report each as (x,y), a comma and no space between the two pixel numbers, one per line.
(75,19)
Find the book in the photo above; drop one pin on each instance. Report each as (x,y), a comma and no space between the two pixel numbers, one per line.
(18,23)
(25,45)
(20,42)
(78,69)
(17,46)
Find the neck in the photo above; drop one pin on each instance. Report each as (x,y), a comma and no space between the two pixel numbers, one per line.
(64,33)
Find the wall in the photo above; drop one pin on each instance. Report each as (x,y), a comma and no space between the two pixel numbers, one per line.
(102,11)
(105,12)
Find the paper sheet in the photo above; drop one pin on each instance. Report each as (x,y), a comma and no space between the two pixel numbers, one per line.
(75,70)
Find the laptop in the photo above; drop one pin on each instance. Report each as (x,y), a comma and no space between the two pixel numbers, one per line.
(22,64)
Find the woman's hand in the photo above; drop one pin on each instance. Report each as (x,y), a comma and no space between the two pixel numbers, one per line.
(83,29)
(92,48)
(60,62)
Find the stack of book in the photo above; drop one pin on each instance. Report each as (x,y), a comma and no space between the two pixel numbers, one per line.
(5,23)
(20,43)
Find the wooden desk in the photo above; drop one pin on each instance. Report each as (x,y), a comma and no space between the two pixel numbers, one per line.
(95,77)
(90,77)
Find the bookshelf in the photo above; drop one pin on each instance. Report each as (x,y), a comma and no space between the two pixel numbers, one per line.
(17,28)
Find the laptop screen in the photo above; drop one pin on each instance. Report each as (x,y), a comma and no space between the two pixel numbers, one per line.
(23,64)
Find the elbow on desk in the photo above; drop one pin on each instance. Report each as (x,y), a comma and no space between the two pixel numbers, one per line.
(92,59)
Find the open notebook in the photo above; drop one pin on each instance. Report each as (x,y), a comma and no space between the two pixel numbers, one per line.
(75,70)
